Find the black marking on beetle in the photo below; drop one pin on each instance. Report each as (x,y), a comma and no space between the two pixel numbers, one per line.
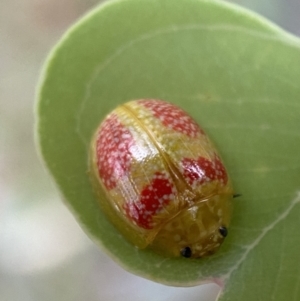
(186,252)
(223,231)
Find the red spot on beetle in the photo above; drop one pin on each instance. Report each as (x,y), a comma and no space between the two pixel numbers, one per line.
(113,155)
(153,199)
(203,170)
(173,117)
(221,173)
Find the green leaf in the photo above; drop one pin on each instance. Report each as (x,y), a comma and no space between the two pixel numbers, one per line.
(238,76)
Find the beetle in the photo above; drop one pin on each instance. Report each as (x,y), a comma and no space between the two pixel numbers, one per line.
(160,180)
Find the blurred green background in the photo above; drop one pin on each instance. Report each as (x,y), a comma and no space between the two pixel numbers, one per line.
(44,254)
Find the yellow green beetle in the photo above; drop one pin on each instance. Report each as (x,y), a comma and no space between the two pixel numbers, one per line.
(160,180)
